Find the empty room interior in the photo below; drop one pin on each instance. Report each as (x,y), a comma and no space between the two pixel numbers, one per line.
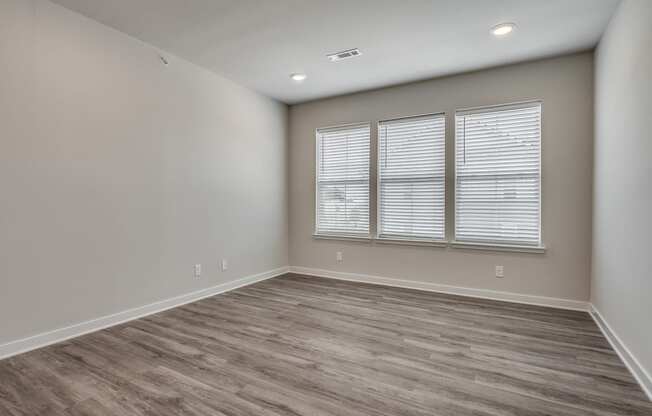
(325,208)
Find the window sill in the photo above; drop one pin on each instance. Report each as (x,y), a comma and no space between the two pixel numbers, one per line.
(341,237)
(411,242)
(433,243)
(498,247)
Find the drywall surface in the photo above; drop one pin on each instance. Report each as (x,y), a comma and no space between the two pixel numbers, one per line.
(622,253)
(118,173)
(564,84)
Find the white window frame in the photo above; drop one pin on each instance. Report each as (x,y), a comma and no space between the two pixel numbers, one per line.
(341,236)
(378,219)
(498,245)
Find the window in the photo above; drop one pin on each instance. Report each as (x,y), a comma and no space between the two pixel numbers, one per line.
(343,181)
(411,178)
(498,175)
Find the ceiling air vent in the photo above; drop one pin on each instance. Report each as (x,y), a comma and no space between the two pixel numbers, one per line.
(347,54)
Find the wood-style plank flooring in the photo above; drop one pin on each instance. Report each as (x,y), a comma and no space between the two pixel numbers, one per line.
(297,345)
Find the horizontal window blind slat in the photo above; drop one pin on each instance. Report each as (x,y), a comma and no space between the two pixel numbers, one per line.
(497,163)
(411,169)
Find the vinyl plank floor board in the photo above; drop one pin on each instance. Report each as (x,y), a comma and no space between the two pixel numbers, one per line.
(297,345)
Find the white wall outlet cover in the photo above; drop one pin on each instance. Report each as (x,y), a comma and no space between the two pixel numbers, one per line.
(500,271)
(197,270)
(224,265)
(339,257)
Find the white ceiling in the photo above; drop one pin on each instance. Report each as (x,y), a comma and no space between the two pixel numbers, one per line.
(259,43)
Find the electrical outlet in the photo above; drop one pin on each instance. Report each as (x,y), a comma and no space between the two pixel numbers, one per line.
(338,257)
(224,265)
(500,271)
(197,270)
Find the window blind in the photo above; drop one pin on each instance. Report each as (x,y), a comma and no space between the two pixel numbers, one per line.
(411,178)
(498,175)
(343,180)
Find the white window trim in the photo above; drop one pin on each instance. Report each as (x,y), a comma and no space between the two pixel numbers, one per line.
(456,245)
(498,245)
(342,237)
(447,243)
(388,239)
(332,236)
(411,241)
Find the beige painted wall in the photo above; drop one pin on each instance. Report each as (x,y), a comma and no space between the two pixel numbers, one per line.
(118,174)
(564,84)
(622,252)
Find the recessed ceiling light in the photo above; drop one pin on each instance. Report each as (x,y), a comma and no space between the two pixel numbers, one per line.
(503,29)
(298,77)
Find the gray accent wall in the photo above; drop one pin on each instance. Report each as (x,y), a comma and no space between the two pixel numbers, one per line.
(621,287)
(118,173)
(564,84)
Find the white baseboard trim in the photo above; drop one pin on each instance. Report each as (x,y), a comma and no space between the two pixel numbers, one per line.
(453,290)
(61,334)
(638,371)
